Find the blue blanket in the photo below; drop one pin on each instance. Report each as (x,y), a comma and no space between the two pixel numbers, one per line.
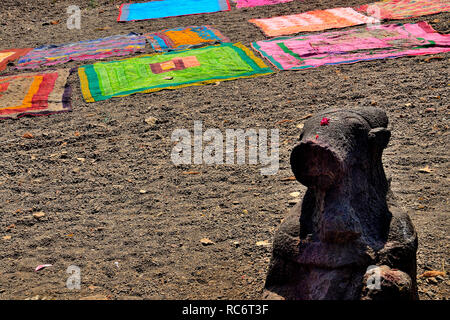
(169,8)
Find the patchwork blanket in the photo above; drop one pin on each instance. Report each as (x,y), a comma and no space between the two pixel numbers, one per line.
(350,46)
(312,21)
(148,73)
(34,94)
(256,3)
(11,55)
(402,9)
(118,45)
(184,38)
(169,8)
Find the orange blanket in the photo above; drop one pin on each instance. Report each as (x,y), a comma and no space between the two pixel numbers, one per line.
(312,21)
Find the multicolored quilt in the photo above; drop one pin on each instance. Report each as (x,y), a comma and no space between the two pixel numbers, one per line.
(118,45)
(312,21)
(11,55)
(169,8)
(184,38)
(350,46)
(34,94)
(256,3)
(148,73)
(402,9)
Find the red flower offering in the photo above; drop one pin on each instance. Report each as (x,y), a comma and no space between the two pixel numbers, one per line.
(325,121)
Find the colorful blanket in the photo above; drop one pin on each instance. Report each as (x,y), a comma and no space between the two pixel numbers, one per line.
(11,55)
(358,44)
(169,8)
(402,9)
(312,21)
(148,73)
(34,94)
(119,45)
(256,3)
(184,38)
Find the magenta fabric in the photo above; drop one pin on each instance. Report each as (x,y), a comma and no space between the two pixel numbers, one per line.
(256,3)
(354,45)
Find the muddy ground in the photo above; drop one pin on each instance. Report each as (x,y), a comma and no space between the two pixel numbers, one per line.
(104,180)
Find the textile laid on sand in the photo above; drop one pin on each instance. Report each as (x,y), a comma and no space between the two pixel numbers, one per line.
(148,73)
(402,9)
(118,45)
(357,44)
(11,55)
(184,38)
(34,94)
(312,21)
(169,8)
(256,3)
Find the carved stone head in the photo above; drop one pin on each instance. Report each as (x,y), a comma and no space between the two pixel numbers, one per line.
(345,222)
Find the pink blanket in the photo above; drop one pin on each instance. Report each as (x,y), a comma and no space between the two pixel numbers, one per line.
(256,3)
(358,44)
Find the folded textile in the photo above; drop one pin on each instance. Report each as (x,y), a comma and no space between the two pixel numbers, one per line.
(256,3)
(350,46)
(10,55)
(149,73)
(34,94)
(312,21)
(402,9)
(184,38)
(118,45)
(169,8)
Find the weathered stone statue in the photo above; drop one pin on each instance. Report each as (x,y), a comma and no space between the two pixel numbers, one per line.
(347,239)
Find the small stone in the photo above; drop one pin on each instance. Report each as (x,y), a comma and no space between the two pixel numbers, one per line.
(264,243)
(294,194)
(7,238)
(151,121)
(142,191)
(235,202)
(206,242)
(409,104)
(39,215)
(81,159)
(236,243)
(428,110)
(300,126)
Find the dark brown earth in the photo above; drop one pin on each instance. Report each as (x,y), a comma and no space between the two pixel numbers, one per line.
(96,214)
